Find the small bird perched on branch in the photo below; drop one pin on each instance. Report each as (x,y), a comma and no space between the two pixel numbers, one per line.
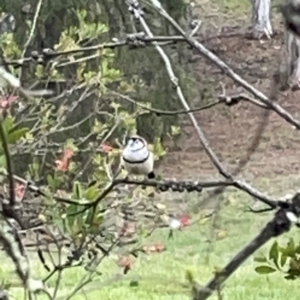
(136,157)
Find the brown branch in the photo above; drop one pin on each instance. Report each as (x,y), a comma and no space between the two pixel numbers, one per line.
(165,112)
(88,277)
(32,30)
(226,69)
(136,11)
(279,225)
(179,186)
(264,100)
(136,40)
(161,186)
(228,100)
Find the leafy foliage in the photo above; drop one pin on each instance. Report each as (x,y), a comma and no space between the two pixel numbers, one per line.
(65,142)
(284,259)
(70,144)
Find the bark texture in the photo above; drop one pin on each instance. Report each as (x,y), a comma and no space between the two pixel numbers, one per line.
(261,18)
(293,62)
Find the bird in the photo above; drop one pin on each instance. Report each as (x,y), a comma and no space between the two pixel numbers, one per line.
(136,157)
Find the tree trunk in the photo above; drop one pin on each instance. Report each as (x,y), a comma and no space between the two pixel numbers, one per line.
(261,18)
(293,59)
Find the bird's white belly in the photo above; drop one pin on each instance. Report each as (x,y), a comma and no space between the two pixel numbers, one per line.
(140,168)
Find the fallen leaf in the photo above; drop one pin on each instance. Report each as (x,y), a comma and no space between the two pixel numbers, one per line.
(185,221)
(222,234)
(154,248)
(128,229)
(125,262)
(203,220)
(160,206)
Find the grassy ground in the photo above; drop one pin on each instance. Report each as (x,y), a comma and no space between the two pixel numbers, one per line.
(162,276)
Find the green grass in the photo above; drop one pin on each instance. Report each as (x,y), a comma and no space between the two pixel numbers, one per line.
(162,276)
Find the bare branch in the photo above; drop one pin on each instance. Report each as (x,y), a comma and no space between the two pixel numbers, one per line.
(165,112)
(32,30)
(226,69)
(228,100)
(135,9)
(14,82)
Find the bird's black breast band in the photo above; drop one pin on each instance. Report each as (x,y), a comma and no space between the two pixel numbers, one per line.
(138,161)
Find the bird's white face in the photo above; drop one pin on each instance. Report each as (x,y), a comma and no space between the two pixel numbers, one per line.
(136,149)
(136,144)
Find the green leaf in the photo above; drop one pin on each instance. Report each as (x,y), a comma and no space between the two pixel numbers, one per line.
(274,254)
(283,260)
(289,250)
(290,277)
(189,276)
(77,190)
(175,130)
(94,225)
(133,283)
(72,209)
(91,193)
(115,106)
(291,245)
(75,225)
(50,181)
(260,259)
(297,249)
(90,216)
(15,135)
(8,123)
(2,161)
(264,270)
(294,264)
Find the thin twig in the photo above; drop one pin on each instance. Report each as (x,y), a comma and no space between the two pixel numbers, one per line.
(31,34)
(222,99)
(135,8)
(226,69)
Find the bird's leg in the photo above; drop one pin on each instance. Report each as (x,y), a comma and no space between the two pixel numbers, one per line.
(151,175)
